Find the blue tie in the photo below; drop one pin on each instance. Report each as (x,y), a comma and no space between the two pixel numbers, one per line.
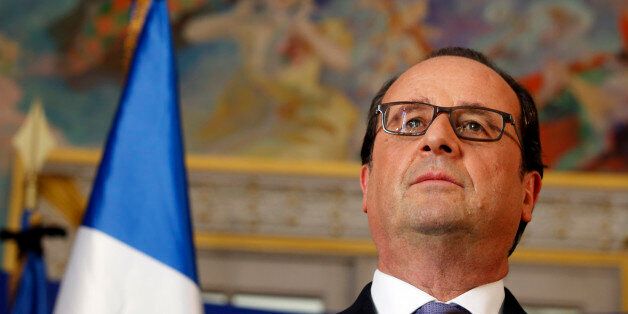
(434,307)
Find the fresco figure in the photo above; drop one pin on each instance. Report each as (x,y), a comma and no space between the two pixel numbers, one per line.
(577,105)
(275,105)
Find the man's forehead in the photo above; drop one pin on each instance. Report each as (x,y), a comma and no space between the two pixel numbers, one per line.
(452,80)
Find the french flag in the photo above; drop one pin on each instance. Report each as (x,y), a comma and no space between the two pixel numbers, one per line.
(134,251)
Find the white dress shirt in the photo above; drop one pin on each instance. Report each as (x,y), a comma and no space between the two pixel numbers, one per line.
(395,296)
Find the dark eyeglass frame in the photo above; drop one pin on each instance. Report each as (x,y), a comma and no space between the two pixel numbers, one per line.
(506,118)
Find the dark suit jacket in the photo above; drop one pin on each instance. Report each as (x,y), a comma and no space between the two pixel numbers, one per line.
(364,304)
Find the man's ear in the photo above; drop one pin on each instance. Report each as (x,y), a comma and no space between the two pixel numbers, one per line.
(532,187)
(364,182)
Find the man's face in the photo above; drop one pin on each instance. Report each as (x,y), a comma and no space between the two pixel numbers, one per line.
(437,184)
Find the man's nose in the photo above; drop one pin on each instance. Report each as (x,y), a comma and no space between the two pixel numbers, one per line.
(440,137)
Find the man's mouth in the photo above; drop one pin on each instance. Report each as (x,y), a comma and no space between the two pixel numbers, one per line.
(436,177)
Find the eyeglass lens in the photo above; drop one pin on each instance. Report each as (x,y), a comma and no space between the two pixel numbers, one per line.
(468,123)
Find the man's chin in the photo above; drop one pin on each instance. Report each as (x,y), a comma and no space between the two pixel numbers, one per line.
(441,228)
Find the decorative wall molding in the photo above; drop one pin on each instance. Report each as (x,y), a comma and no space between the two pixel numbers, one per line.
(323,200)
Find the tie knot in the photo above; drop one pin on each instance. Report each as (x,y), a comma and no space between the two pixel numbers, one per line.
(434,307)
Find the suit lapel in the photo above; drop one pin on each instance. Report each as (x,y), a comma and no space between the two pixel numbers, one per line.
(511,306)
(363,304)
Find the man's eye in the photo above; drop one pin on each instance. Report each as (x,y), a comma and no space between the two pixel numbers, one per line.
(472,127)
(413,124)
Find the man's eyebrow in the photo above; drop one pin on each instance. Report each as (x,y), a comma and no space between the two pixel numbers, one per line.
(463,103)
(471,104)
(421,99)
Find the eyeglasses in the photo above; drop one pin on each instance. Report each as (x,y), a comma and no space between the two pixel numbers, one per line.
(468,122)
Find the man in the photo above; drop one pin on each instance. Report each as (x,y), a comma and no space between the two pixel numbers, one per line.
(451,170)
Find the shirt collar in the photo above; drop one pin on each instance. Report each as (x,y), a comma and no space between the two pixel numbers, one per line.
(487,298)
(395,296)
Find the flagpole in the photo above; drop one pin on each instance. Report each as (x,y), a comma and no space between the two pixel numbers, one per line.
(136,23)
(28,283)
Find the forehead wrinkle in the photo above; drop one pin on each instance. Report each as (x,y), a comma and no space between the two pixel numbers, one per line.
(426,70)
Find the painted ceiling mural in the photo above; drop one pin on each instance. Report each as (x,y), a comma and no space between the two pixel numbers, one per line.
(294,78)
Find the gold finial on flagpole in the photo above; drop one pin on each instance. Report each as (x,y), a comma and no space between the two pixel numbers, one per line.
(33,142)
